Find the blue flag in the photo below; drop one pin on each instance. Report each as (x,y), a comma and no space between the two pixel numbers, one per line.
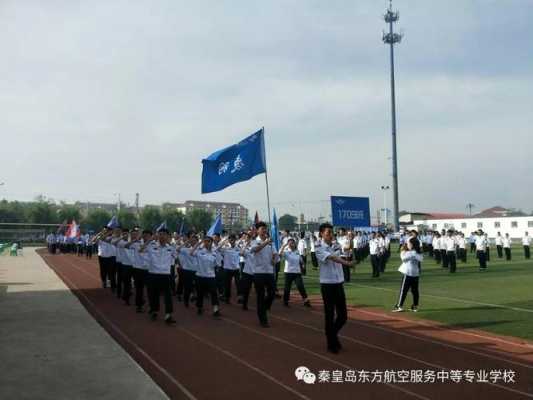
(113,222)
(274,231)
(233,164)
(216,227)
(162,226)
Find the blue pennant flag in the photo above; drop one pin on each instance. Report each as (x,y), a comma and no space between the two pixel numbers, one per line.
(113,222)
(274,231)
(216,227)
(233,164)
(162,226)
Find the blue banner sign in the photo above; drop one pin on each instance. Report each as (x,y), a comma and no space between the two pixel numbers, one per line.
(350,212)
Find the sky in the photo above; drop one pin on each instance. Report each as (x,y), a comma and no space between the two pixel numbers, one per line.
(105,97)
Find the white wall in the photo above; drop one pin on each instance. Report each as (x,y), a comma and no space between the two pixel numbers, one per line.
(467,225)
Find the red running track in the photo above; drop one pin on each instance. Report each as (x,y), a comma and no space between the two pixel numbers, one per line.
(232,357)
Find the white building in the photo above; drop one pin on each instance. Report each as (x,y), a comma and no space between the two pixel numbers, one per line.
(514,226)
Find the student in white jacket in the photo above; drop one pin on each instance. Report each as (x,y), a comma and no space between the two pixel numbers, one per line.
(410,269)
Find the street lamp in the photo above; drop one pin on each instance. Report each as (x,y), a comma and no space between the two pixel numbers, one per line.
(385,188)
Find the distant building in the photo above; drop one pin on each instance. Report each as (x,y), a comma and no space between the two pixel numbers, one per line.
(232,213)
(87,206)
(409,218)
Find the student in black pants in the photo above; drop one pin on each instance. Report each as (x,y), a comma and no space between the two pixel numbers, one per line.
(526,242)
(264,260)
(189,265)
(205,275)
(293,272)
(230,253)
(247,275)
(481,247)
(410,268)
(140,267)
(161,256)
(332,287)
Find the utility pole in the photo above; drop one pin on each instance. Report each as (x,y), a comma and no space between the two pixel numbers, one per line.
(470,206)
(386,219)
(391,39)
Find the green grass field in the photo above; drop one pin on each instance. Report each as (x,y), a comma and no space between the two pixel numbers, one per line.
(499,300)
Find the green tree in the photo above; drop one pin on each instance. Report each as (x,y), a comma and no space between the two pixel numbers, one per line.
(68,213)
(173,218)
(150,217)
(127,219)
(199,220)
(96,219)
(42,212)
(288,222)
(12,211)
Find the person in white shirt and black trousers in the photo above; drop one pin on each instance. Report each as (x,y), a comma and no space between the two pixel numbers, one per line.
(499,244)
(481,248)
(330,264)
(264,258)
(507,242)
(526,241)
(161,258)
(450,245)
(410,268)
(293,272)
(205,275)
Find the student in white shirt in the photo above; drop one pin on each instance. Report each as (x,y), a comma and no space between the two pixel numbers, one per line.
(247,275)
(507,243)
(374,255)
(264,259)
(312,250)
(139,269)
(526,242)
(436,247)
(293,272)
(161,258)
(302,249)
(230,253)
(188,265)
(450,244)
(124,267)
(498,241)
(345,243)
(481,248)
(410,269)
(461,244)
(205,275)
(330,262)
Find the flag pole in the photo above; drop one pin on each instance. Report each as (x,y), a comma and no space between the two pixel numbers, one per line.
(266,180)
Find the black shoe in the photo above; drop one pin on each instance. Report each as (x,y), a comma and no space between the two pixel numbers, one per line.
(333,349)
(186,304)
(139,309)
(179,298)
(245,307)
(127,302)
(227,301)
(277,296)
(307,303)
(239,301)
(286,304)
(104,285)
(265,324)
(338,344)
(169,320)
(216,313)
(199,311)
(153,316)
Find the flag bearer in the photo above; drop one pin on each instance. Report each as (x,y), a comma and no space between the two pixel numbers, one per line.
(264,260)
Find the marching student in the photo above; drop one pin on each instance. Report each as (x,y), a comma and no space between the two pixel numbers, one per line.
(293,272)
(382,256)
(481,247)
(139,265)
(205,275)
(449,244)
(50,239)
(499,244)
(230,264)
(374,255)
(410,268)
(507,243)
(264,260)
(487,239)
(219,269)
(161,257)
(247,276)
(461,246)
(123,267)
(104,255)
(526,241)
(312,250)
(346,251)
(332,286)
(189,266)
(436,247)
(443,252)
(472,240)
(302,249)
